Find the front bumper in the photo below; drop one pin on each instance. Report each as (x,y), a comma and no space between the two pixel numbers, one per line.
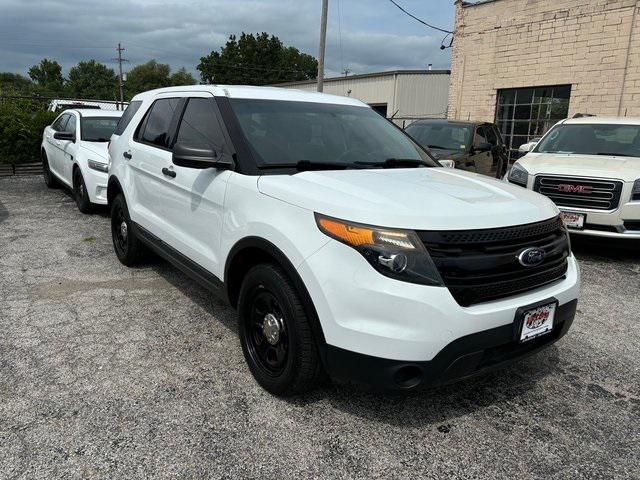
(96,183)
(364,312)
(465,357)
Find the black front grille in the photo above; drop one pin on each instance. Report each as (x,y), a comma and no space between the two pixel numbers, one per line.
(579,192)
(482,265)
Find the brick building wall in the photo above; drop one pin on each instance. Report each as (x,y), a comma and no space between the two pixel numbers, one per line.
(593,45)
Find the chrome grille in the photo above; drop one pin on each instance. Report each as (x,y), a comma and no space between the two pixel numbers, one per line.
(579,192)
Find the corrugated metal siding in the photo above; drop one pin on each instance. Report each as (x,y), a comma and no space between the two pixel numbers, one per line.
(412,95)
(422,95)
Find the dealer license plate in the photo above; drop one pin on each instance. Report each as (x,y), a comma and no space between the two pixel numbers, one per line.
(537,321)
(573,220)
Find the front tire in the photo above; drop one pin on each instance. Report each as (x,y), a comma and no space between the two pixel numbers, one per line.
(275,333)
(127,246)
(49,180)
(80,193)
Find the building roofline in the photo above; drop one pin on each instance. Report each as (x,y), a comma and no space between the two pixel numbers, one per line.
(367,75)
(477,3)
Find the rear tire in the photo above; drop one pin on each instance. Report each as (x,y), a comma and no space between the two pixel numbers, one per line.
(49,180)
(80,193)
(275,333)
(129,250)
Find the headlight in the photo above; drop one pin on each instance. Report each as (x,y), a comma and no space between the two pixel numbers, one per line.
(397,254)
(635,194)
(100,166)
(518,175)
(447,163)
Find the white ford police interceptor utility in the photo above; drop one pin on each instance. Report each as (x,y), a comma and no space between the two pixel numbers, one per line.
(74,154)
(343,245)
(590,167)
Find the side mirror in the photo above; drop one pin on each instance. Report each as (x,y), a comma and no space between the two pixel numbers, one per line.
(70,136)
(526,147)
(447,163)
(483,147)
(194,157)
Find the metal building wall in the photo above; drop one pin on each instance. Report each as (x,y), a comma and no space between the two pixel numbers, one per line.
(411,95)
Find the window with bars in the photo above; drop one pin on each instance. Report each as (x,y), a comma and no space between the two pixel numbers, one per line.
(524,114)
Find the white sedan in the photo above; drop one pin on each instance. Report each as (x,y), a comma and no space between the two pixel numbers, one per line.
(74,154)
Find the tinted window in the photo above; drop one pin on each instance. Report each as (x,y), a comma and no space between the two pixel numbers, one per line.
(480,136)
(594,139)
(71,124)
(491,136)
(98,129)
(441,135)
(156,128)
(126,117)
(60,122)
(284,133)
(199,126)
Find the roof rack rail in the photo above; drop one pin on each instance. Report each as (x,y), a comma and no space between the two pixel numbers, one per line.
(582,115)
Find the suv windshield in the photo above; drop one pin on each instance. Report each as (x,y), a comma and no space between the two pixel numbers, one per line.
(286,133)
(592,139)
(443,136)
(98,129)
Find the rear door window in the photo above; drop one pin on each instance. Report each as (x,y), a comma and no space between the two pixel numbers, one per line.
(126,117)
(156,126)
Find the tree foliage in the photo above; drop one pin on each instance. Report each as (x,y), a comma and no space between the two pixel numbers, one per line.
(260,59)
(47,75)
(91,79)
(182,77)
(152,74)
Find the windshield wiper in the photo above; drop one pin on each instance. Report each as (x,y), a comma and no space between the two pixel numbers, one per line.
(396,163)
(308,165)
(438,147)
(96,139)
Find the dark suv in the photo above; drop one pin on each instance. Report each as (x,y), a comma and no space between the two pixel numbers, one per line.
(473,146)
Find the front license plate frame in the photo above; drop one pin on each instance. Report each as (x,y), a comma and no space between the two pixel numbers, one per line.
(525,330)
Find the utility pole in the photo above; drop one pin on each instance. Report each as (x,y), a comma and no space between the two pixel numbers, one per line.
(120,80)
(323,41)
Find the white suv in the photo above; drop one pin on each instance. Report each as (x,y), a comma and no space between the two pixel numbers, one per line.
(74,154)
(341,243)
(590,167)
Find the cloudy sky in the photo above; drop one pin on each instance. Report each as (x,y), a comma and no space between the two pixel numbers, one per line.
(363,35)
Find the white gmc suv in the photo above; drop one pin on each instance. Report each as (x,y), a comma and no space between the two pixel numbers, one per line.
(590,167)
(344,247)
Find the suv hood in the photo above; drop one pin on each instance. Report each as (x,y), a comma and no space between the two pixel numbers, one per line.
(97,149)
(413,198)
(600,166)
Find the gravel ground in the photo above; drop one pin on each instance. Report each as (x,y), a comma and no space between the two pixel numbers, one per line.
(109,372)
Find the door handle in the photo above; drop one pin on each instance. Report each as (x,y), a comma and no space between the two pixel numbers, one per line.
(127,155)
(169,173)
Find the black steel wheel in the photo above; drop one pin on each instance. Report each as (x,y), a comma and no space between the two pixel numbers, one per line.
(80,193)
(128,248)
(49,179)
(275,333)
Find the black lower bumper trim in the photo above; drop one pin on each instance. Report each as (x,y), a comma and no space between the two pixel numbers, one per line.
(467,356)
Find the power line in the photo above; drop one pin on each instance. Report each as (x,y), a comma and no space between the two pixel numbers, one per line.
(420,20)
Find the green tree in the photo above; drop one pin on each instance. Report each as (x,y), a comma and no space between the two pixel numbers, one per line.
(47,75)
(258,59)
(14,83)
(91,79)
(182,77)
(147,76)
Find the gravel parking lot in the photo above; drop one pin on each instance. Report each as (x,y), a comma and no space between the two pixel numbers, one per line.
(117,373)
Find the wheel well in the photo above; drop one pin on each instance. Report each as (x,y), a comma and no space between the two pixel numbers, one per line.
(113,189)
(252,251)
(240,264)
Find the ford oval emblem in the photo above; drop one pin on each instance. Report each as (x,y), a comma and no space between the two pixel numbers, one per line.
(531,257)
